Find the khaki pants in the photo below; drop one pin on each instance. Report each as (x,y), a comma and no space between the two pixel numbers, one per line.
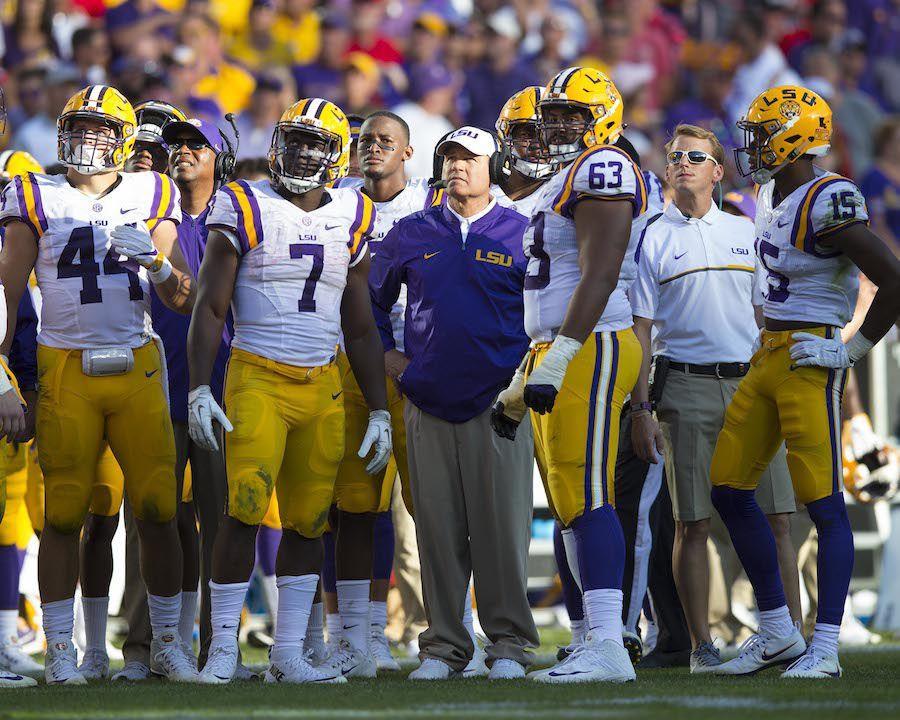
(472,492)
(691,413)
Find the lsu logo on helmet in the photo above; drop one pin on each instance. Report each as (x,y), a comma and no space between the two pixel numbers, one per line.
(781,125)
(310,146)
(591,92)
(91,150)
(518,127)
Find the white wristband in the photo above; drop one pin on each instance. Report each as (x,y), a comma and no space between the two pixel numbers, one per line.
(161,275)
(858,346)
(5,383)
(566,347)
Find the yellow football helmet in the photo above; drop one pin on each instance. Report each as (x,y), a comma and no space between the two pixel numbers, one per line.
(518,129)
(152,116)
(17,162)
(90,151)
(310,146)
(781,125)
(596,96)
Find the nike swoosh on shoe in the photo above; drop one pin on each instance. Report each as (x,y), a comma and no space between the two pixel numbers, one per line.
(766,657)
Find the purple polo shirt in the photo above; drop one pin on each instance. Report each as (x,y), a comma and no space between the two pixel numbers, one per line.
(172,327)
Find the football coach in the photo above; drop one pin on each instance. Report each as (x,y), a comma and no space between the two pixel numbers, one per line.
(464,269)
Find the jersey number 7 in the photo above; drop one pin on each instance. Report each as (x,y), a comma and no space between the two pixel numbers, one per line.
(81,245)
(307,302)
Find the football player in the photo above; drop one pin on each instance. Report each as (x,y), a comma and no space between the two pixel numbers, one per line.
(363,500)
(150,150)
(811,237)
(101,372)
(356,122)
(291,300)
(585,358)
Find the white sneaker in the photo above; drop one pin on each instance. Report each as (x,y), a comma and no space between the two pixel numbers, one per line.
(477,666)
(315,653)
(167,659)
(244,674)
(94,665)
(61,665)
(506,669)
(593,661)
(812,665)
(853,632)
(220,665)
(297,670)
(187,649)
(705,659)
(350,662)
(432,669)
(381,650)
(14,680)
(14,659)
(759,652)
(133,671)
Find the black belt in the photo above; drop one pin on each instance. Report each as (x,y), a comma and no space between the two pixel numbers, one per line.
(719,370)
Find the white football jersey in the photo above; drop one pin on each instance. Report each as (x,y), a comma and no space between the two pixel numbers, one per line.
(417,195)
(91,298)
(808,280)
(604,172)
(293,267)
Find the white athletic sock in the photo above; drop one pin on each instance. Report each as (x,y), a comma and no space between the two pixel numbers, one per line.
(603,613)
(295,599)
(59,620)
(187,617)
(333,625)
(8,626)
(571,546)
(270,594)
(825,638)
(467,619)
(165,612)
(579,630)
(96,611)
(314,633)
(353,604)
(226,600)
(775,623)
(378,614)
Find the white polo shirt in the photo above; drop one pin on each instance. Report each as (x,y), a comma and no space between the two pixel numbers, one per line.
(696,280)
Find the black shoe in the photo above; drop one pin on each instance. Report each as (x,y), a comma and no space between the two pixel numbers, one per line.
(633,645)
(658,659)
(261,639)
(563,652)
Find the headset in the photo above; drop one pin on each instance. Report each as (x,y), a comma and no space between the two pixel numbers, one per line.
(499,166)
(226,159)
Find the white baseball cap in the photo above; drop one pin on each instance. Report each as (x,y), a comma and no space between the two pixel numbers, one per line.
(473,139)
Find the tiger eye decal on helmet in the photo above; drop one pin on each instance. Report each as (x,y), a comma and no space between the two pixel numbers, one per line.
(310,146)
(599,102)
(106,134)
(782,124)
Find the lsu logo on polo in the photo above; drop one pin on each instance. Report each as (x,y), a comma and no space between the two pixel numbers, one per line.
(494,258)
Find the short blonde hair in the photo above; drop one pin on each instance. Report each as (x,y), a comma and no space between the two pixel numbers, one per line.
(718,152)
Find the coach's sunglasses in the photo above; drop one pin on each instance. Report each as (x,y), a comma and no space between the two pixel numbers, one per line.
(193,145)
(695,157)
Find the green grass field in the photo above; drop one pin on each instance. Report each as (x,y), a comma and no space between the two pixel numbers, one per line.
(869,689)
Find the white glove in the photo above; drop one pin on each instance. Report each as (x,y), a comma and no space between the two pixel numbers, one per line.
(135,243)
(202,410)
(811,350)
(863,439)
(378,434)
(546,380)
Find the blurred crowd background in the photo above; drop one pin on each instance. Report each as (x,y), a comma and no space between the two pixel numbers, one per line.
(443,63)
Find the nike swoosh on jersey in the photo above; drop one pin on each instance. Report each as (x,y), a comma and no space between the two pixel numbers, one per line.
(125,212)
(678,257)
(336,395)
(783,224)
(331,227)
(428,256)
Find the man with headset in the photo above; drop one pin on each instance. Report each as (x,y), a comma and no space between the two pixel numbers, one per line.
(464,269)
(200,159)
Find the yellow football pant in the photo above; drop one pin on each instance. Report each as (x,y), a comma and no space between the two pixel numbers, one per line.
(34,490)
(356,491)
(78,413)
(576,444)
(15,527)
(778,401)
(288,438)
(3,471)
